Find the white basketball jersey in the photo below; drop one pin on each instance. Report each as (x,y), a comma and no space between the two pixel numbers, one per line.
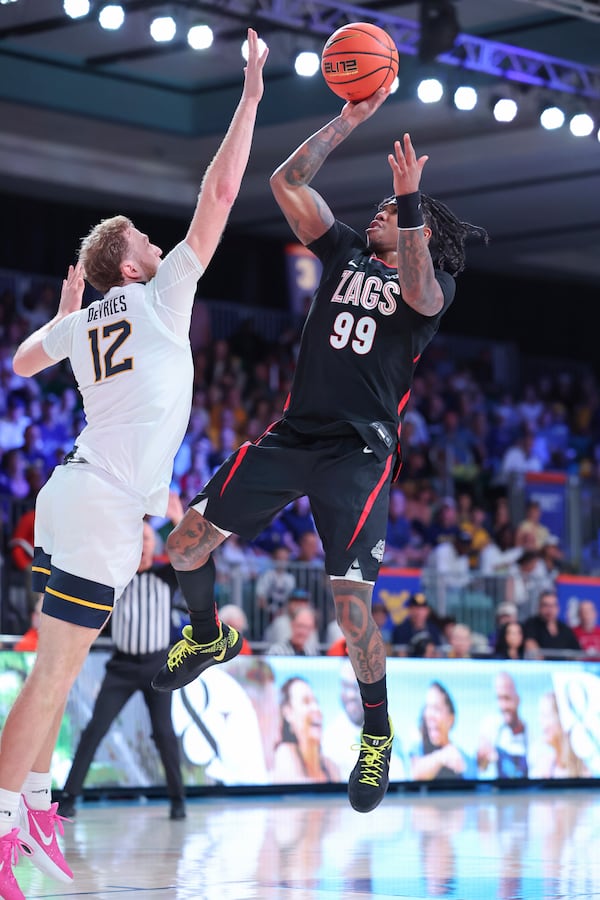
(131,357)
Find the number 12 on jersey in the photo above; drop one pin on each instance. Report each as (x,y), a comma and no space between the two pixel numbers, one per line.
(103,355)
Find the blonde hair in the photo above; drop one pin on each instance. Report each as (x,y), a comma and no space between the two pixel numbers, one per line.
(102,251)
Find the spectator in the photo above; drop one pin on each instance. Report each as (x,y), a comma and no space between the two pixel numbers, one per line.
(532,525)
(524,584)
(588,630)
(280,629)
(545,632)
(520,457)
(510,642)
(235,616)
(461,641)
(500,555)
(298,518)
(275,584)
(383,620)
(505,612)
(302,639)
(418,621)
(444,526)
(399,532)
(29,641)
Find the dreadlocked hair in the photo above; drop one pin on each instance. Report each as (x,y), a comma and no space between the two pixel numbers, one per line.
(448,235)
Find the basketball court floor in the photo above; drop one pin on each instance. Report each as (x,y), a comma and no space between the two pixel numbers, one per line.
(499,845)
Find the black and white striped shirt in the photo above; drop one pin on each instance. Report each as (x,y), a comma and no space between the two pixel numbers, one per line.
(141,619)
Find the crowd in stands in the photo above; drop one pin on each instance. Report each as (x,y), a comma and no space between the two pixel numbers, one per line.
(460,430)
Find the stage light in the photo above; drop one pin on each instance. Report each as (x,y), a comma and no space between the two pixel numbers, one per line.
(430,90)
(307,63)
(200,37)
(581,125)
(439,28)
(163,29)
(75,9)
(261,47)
(505,109)
(465,97)
(552,117)
(111,17)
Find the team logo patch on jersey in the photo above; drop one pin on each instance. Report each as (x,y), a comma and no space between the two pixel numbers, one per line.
(378,550)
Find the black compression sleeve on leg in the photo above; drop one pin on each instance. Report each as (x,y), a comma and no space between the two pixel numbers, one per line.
(374,698)
(198,589)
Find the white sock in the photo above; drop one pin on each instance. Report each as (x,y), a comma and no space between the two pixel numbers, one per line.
(37,790)
(9,810)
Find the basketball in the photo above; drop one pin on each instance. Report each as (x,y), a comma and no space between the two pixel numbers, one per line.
(358,59)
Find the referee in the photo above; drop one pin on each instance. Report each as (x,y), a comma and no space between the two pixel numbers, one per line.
(141,627)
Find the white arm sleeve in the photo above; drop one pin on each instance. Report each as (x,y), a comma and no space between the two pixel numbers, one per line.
(174,288)
(57,343)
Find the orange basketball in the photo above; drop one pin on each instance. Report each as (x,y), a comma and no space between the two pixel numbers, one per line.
(358,59)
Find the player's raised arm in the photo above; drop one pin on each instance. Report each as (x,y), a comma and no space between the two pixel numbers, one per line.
(415,265)
(307,213)
(223,177)
(30,357)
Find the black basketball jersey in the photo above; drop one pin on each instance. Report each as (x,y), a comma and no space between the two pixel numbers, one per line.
(360,345)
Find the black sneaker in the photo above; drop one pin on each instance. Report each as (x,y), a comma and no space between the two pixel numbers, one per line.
(187,659)
(369,778)
(66,806)
(177,810)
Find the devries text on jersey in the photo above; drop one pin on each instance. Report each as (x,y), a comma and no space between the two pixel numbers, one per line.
(109,307)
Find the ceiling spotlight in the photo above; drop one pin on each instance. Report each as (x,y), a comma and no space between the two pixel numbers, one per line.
(505,109)
(111,17)
(261,47)
(163,29)
(75,9)
(581,125)
(307,63)
(439,28)
(552,117)
(430,90)
(465,97)
(200,37)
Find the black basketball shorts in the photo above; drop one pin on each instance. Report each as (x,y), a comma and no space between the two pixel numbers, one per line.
(347,486)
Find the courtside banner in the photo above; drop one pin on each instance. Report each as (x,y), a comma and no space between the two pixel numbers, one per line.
(571,589)
(394,587)
(549,489)
(303,275)
(267,721)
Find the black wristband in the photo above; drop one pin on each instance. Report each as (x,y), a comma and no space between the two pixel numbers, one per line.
(409,210)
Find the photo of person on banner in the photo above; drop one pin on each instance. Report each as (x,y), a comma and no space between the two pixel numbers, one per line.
(435,757)
(299,757)
(555,756)
(504,737)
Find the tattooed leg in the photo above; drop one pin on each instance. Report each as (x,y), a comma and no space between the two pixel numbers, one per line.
(366,648)
(190,544)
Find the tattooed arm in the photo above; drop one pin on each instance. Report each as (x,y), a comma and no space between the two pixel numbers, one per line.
(416,275)
(307,213)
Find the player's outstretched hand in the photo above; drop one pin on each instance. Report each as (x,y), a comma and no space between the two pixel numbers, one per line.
(253,79)
(71,295)
(357,111)
(405,166)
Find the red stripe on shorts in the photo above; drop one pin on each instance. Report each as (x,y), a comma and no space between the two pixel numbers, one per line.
(240,455)
(370,501)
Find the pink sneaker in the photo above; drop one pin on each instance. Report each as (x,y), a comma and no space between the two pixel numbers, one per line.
(38,830)
(11,846)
